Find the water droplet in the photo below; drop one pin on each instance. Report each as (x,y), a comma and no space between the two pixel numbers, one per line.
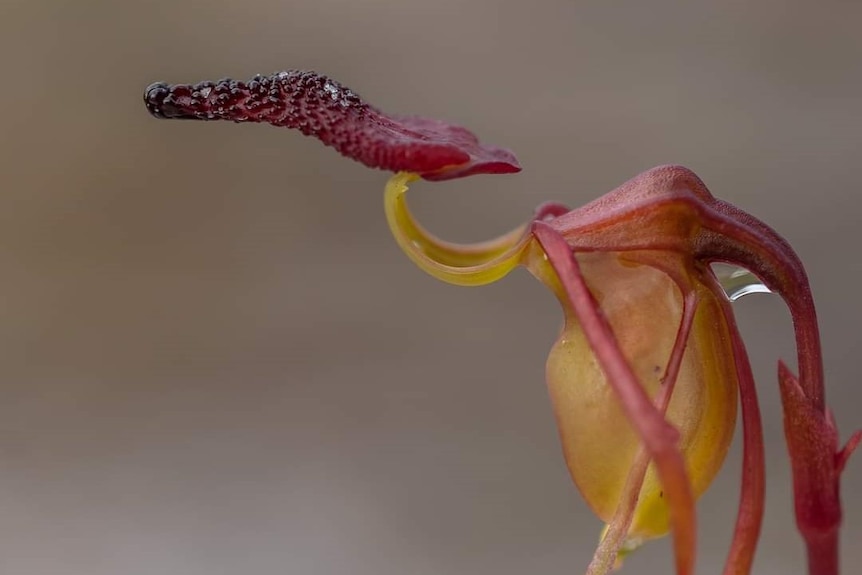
(737,281)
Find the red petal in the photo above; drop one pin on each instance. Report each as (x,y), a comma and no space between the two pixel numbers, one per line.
(749,517)
(323,108)
(658,436)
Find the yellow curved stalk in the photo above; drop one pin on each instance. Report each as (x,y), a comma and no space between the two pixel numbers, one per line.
(460,264)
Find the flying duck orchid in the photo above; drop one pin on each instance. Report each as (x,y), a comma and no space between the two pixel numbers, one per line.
(649,367)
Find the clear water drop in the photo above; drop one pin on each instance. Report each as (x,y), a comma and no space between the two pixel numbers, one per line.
(737,281)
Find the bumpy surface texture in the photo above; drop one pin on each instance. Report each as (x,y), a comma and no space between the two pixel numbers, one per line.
(320,107)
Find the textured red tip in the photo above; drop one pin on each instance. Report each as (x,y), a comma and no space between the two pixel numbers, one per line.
(320,107)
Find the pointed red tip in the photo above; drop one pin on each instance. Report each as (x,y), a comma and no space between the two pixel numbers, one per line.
(843,456)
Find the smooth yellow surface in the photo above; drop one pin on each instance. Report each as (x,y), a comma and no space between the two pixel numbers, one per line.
(467,265)
(644,308)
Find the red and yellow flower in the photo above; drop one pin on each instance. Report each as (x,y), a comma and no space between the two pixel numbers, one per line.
(649,367)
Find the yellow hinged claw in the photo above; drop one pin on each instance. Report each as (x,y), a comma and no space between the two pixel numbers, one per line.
(460,264)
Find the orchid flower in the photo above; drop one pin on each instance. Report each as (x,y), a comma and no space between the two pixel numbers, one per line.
(649,366)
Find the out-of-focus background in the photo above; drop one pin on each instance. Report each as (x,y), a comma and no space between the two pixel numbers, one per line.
(216,361)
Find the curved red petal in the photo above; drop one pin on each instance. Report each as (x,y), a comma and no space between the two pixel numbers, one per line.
(658,436)
(321,107)
(749,516)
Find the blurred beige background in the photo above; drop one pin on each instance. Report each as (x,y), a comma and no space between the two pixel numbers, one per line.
(215,360)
